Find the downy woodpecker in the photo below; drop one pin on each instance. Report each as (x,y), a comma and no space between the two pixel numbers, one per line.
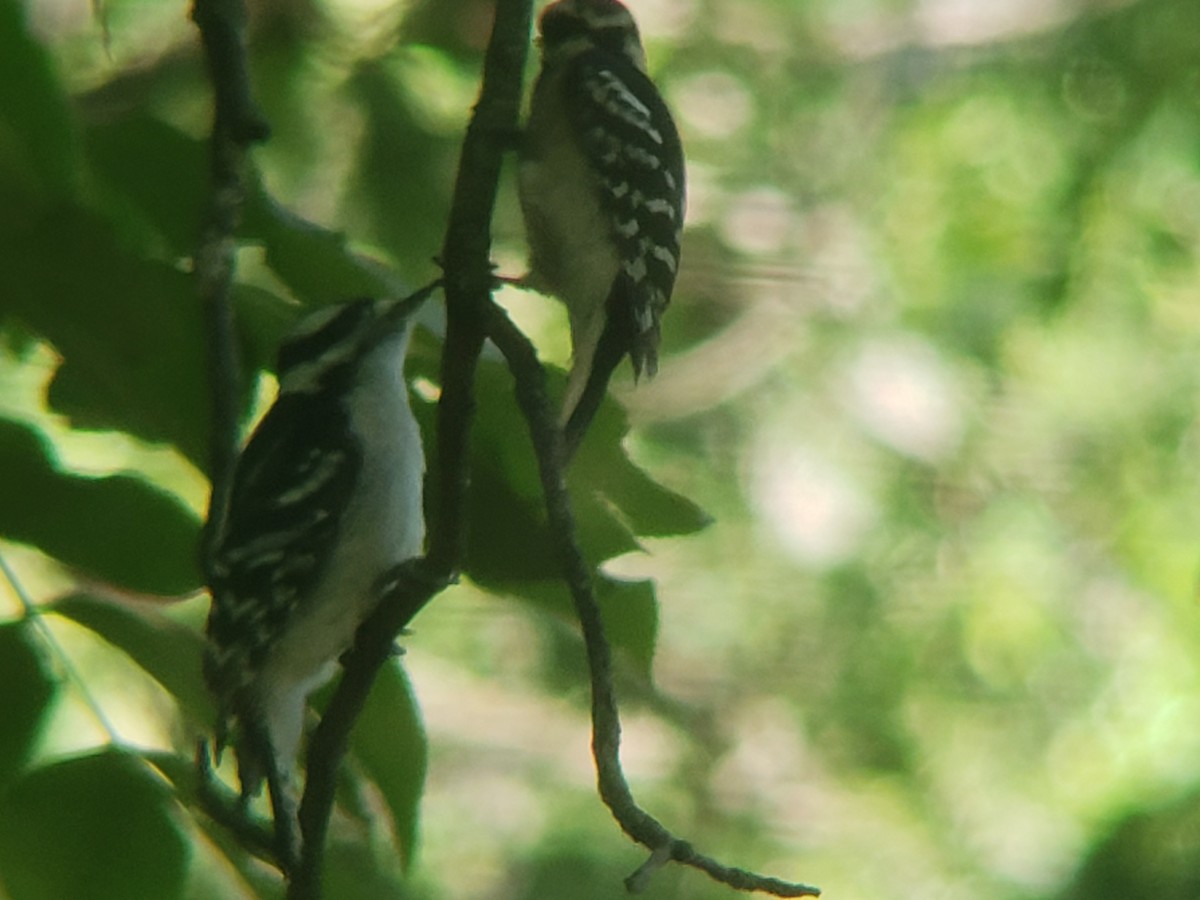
(326,498)
(601,182)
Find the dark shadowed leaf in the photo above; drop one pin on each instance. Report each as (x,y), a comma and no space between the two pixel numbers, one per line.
(158,174)
(602,468)
(155,173)
(407,214)
(262,880)
(314,262)
(508,539)
(352,870)
(1146,852)
(128,328)
(118,528)
(38,148)
(509,546)
(389,742)
(629,610)
(263,319)
(29,690)
(98,827)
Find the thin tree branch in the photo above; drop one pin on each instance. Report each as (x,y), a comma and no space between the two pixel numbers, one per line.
(467,283)
(404,592)
(466,259)
(237,124)
(229,810)
(222,25)
(32,613)
(606,723)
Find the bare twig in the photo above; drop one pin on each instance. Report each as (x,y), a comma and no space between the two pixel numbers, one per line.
(237,124)
(222,25)
(606,723)
(229,810)
(466,258)
(467,284)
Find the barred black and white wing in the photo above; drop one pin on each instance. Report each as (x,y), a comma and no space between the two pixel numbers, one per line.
(601,184)
(632,146)
(326,499)
(293,483)
(631,143)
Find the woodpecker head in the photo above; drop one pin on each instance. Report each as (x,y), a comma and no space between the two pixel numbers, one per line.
(327,343)
(568,27)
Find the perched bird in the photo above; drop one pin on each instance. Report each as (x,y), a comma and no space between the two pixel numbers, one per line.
(601,182)
(326,498)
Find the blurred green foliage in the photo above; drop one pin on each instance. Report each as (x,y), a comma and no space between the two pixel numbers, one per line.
(932,372)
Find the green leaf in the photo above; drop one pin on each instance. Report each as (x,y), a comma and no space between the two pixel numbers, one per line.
(157,176)
(240,865)
(353,870)
(508,537)
(158,173)
(154,172)
(118,528)
(602,469)
(129,329)
(628,609)
(29,692)
(98,827)
(166,650)
(506,532)
(38,147)
(263,320)
(509,546)
(389,742)
(630,613)
(405,174)
(314,262)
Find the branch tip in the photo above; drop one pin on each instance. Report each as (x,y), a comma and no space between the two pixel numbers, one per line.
(614,789)
(640,879)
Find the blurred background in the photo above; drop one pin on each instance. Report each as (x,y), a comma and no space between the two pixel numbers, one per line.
(932,368)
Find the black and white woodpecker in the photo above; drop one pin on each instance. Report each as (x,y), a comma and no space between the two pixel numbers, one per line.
(326,499)
(601,181)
